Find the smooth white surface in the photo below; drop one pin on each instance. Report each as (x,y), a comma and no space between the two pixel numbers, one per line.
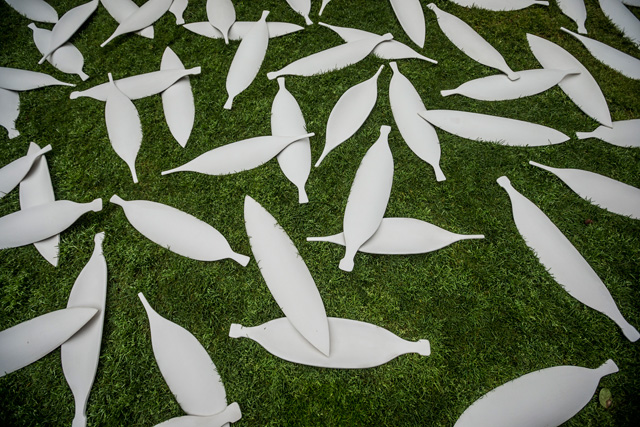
(287,276)
(123,126)
(543,398)
(501,130)
(68,24)
(287,120)
(625,133)
(221,15)
(324,4)
(354,344)
(635,3)
(500,5)
(238,156)
(303,7)
(80,354)
(625,64)
(470,42)
(575,10)
(350,113)
(368,197)
(581,88)
(500,88)
(331,59)
(36,189)
(240,29)
(186,366)
(419,135)
(146,15)
(622,18)
(122,9)
(600,190)
(36,10)
(177,8)
(9,111)
(31,225)
(177,100)
(12,173)
(67,58)
(18,80)
(411,18)
(562,260)
(231,414)
(248,59)
(28,341)
(390,49)
(138,86)
(178,231)
(403,236)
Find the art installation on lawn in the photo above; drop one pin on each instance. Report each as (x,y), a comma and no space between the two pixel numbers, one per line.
(189,371)
(306,335)
(350,113)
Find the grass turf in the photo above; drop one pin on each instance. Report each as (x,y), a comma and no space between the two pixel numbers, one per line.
(490,310)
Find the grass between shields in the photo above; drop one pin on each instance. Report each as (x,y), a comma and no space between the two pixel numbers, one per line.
(490,310)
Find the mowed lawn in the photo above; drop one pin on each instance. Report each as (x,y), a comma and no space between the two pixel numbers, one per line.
(490,310)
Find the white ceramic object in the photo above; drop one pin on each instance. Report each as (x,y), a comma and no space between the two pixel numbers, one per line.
(178,231)
(12,173)
(303,7)
(622,18)
(635,3)
(221,15)
(240,29)
(248,59)
(80,353)
(324,4)
(576,11)
(350,113)
(501,130)
(231,414)
(600,190)
(470,42)
(500,5)
(419,135)
(28,341)
(544,398)
(36,10)
(411,18)
(581,88)
(36,189)
(331,59)
(122,9)
(238,156)
(562,260)
(287,120)
(368,197)
(68,24)
(500,88)
(9,111)
(19,80)
(138,86)
(37,223)
(625,64)
(146,15)
(123,126)
(354,344)
(287,276)
(390,49)
(186,366)
(403,236)
(67,58)
(177,8)
(177,101)
(624,133)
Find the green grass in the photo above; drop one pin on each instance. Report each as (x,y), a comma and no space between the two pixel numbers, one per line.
(490,310)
